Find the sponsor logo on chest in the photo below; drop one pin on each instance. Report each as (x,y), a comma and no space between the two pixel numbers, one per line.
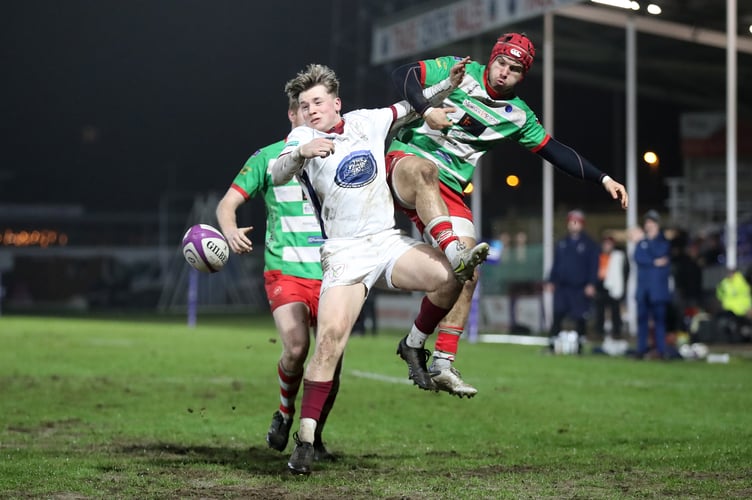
(484,115)
(356,170)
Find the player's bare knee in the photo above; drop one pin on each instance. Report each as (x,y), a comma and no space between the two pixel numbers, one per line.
(414,169)
(331,334)
(296,353)
(428,173)
(292,363)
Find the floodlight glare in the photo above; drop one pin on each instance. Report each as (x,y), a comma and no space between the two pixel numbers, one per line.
(622,4)
(651,158)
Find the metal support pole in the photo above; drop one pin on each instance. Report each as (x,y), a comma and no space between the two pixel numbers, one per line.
(731,173)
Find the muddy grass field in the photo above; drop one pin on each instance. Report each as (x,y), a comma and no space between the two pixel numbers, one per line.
(135,408)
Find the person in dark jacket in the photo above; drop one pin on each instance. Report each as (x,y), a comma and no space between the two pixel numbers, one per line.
(652,257)
(574,276)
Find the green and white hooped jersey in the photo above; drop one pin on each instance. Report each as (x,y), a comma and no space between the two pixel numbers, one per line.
(293,233)
(479,123)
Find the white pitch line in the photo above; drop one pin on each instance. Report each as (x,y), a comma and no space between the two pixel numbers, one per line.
(381,378)
(513,339)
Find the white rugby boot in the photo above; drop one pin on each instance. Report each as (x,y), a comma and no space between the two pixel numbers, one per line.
(464,260)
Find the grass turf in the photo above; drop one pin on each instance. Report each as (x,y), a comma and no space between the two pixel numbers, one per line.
(148,408)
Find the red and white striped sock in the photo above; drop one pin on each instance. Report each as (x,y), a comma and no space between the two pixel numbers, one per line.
(442,232)
(447,342)
(289,385)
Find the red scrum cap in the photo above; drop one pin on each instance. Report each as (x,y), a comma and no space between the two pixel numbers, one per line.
(515,45)
(577,215)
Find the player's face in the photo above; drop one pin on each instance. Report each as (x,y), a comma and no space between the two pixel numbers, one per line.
(320,108)
(504,73)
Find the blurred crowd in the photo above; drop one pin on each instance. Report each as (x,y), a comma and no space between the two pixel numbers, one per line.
(683,289)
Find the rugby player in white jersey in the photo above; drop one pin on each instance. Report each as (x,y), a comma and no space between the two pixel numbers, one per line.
(292,275)
(340,161)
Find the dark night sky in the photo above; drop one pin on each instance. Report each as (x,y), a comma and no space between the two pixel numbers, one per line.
(119,100)
(110,104)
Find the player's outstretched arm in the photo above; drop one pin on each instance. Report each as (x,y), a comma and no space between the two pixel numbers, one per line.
(287,165)
(427,102)
(227,218)
(571,162)
(434,115)
(407,81)
(290,162)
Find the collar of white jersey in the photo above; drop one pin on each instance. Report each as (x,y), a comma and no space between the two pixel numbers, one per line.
(338,128)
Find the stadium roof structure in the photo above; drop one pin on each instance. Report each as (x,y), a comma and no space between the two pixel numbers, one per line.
(681,53)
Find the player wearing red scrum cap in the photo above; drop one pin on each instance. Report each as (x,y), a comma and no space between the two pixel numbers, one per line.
(431,162)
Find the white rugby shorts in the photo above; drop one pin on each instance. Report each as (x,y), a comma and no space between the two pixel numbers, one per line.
(369,260)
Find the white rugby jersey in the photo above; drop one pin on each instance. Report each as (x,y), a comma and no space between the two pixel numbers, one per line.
(348,189)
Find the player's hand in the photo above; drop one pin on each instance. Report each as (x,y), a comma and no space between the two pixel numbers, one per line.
(320,147)
(238,241)
(437,118)
(617,192)
(457,73)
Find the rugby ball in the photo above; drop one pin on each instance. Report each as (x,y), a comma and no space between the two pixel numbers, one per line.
(205,248)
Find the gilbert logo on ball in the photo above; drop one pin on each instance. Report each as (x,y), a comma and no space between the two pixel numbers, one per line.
(205,248)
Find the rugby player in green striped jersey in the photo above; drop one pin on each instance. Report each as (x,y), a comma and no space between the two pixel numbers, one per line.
(431,162)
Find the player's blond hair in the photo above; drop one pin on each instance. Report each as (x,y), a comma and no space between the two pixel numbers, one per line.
(312,75)
(292,103)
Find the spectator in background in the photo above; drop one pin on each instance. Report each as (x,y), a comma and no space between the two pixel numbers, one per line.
(520,247)
(652,256)
(733,292)
(574,276)
(612,278)
(499,247)
(687,274)
(505,239)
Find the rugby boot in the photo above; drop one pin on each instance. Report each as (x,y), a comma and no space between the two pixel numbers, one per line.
(450,380)
(416,358)
(279,432)
(465,260)
(302,457)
